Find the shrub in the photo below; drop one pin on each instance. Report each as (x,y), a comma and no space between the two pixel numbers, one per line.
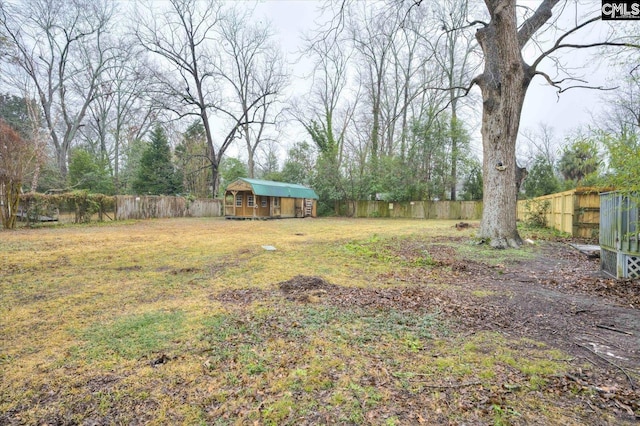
(536,212)
(82,203)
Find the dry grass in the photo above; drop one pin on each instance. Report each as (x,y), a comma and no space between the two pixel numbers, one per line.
(181,322)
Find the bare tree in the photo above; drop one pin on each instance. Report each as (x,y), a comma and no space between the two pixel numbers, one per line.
(328,111)
(325,114)
(623,106)
(372,34)
(503,82)
(394,60)
(540,142)
(39,141)
(123,110)
(252,65)
(181,37)
(454,53)
(59,46)
(269,166)
(410,72)
(198,40)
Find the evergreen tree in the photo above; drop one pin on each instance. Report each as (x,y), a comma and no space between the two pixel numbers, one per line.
(13,110)
(230,170)
(542,179)
(192,161)
(131,164)
(298,167)
(88,172)
(328,184)
(157,174)
(429,156)
(624,161)
(472,186)
(399,182)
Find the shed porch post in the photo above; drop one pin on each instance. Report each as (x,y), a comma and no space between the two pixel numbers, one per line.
(233,201)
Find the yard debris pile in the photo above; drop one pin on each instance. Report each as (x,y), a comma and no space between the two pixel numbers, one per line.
(306,289)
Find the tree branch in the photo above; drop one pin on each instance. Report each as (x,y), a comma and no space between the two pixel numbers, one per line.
(560,45)
(557,84)
(536,21)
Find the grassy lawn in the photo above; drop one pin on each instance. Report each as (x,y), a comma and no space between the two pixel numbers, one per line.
(185,321)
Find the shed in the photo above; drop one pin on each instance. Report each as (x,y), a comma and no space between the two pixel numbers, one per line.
(247,198)
(619,234)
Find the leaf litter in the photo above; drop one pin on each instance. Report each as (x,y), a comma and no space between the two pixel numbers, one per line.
(557,297)
(399,351)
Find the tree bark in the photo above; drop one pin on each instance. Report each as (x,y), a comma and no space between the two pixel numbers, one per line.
(10,190)
(503,83)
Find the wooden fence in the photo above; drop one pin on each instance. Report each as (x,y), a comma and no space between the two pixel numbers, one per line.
(146,207)
(205,207)
(454,210)
(576,212)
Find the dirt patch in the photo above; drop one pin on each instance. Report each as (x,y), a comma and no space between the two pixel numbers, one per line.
(129,268)
(306,289)
(103,383)
(561,298)
(185,271)
(219,266)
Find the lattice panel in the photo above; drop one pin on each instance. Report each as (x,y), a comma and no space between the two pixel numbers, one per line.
(633,267)
(608,262)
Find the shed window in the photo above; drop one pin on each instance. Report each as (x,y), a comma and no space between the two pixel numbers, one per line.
(249,200)
(239,200)
(276,201)
(263,201)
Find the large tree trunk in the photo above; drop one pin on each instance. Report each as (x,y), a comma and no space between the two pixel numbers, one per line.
(504,83)
(498,224)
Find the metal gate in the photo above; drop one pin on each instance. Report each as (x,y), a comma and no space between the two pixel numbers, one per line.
(619,234)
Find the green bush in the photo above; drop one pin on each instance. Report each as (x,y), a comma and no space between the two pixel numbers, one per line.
(536,212)
(82,203)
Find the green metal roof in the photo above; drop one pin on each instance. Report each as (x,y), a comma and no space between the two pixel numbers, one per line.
(269,188)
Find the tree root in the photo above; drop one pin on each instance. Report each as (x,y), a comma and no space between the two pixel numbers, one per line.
(502,242)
